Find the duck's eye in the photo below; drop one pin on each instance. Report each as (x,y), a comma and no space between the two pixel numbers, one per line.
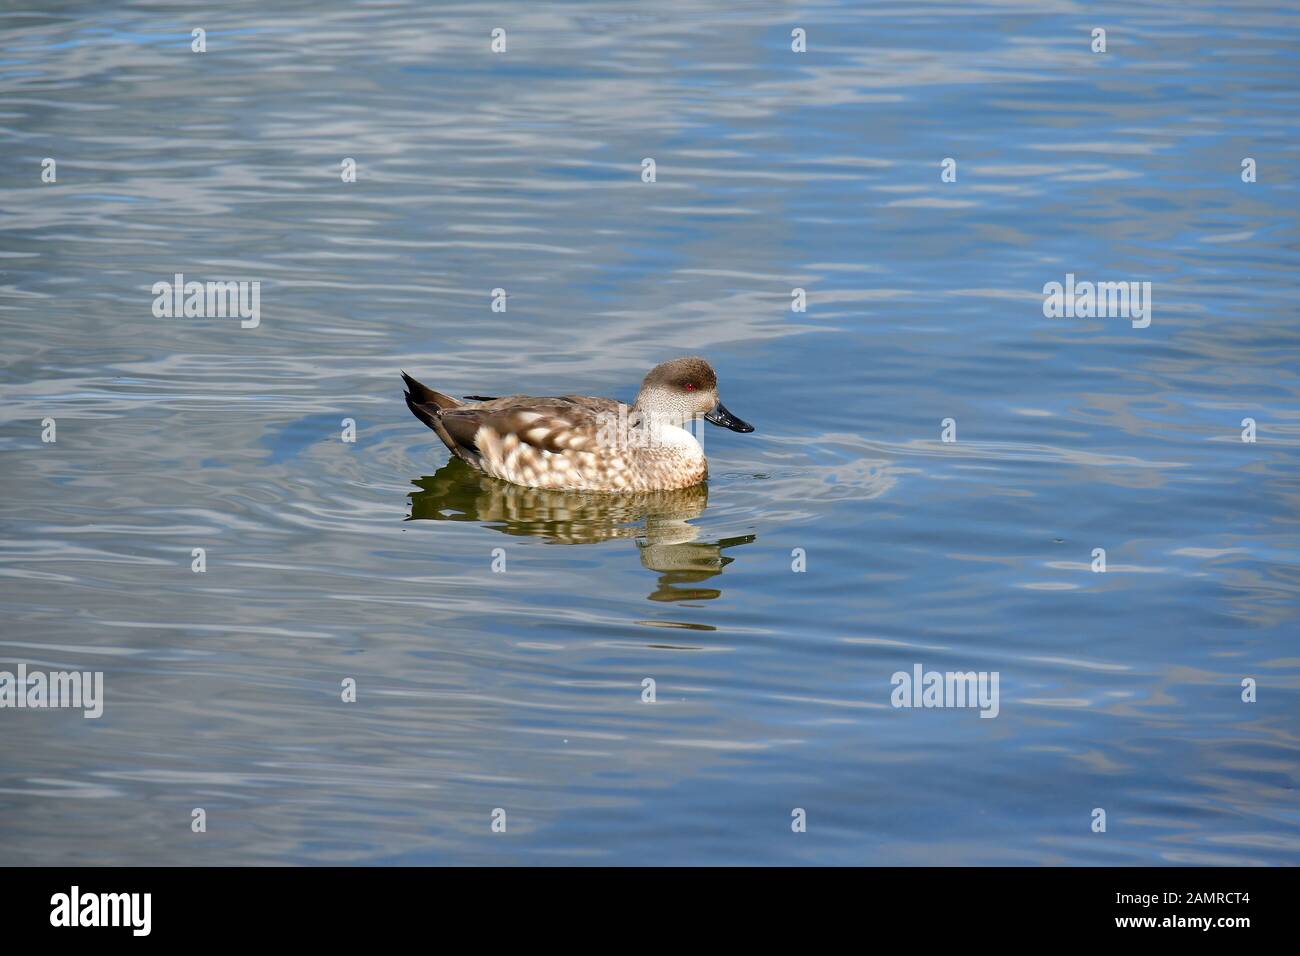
(690,386)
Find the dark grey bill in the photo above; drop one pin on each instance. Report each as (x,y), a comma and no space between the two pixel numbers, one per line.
(720,416)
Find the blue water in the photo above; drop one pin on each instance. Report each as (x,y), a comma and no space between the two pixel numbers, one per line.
(520,690)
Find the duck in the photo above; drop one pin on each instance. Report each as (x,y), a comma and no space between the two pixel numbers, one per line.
(584,443)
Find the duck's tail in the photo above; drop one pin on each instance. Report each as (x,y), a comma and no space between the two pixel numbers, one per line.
(424,402)
(427,405)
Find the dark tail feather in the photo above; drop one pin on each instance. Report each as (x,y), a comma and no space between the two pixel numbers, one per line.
(422,412)
(428,406)
(425,403)
(424,395)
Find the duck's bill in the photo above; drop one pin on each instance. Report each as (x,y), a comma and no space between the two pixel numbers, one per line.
(720,416)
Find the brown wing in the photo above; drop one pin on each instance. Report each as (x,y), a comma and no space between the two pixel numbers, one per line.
(554,424)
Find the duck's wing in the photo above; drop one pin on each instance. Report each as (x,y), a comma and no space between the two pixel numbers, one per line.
(553,424)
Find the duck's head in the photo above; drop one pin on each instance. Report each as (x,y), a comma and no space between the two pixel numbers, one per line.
(683,389)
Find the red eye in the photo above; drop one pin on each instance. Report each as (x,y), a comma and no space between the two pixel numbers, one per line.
(690,386)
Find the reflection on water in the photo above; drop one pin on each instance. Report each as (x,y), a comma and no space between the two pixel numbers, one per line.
(659,522)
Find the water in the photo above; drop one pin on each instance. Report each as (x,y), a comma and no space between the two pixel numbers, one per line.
(521,690)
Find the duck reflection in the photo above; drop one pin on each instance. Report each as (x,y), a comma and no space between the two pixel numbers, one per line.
(658,521)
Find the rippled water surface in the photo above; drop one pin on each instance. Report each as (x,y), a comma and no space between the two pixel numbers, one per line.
(522,690)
